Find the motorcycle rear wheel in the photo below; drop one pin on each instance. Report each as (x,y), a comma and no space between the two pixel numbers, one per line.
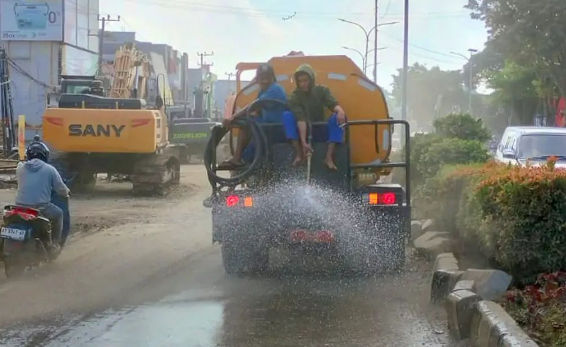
(13,267)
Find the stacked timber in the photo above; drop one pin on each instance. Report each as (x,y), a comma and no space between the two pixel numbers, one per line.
(125,73)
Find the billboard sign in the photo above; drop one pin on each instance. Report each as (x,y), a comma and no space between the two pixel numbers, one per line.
(78,62)
(31,20)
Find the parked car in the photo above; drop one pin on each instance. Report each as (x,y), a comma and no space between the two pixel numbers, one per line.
(532,145)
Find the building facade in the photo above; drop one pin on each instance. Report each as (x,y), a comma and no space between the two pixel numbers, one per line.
(45,40)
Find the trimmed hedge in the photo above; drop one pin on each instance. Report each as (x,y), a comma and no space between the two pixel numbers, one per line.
(458,139)
(516,216)
(451,151)
(429,153)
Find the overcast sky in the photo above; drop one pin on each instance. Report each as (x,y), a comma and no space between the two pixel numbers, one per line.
(254,30)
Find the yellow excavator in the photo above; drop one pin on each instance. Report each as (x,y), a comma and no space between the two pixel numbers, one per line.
(119,134)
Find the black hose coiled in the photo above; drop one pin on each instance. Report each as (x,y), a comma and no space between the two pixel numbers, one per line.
(258,137)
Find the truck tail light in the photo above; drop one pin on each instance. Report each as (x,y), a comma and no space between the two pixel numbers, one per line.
(235,200)
(232,200)
(388,199)
(249,201)
(373,199)
(377,199)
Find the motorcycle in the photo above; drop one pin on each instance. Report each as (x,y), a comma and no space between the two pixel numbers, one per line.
(26,238)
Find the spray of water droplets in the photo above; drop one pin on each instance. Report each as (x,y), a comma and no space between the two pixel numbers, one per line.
(366,240)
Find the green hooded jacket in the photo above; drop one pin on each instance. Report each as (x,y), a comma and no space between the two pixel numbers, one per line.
(309,106)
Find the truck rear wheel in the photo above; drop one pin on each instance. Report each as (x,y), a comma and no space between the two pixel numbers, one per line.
(239,260)
(397,257)
(374,255)
(363,259)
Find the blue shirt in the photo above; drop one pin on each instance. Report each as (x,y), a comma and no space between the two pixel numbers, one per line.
(36,182)
(272,112)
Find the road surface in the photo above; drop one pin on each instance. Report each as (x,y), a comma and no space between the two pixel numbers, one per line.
(143,272)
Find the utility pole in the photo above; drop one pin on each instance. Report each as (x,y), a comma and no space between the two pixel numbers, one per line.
(470,74)
(229,74)
(367,34)
(202,107)
(101,37)
(405,62)
(375,44)
(364,63)
(202,56)
(471,66)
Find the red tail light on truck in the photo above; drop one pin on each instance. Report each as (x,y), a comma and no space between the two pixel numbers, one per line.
(235,201)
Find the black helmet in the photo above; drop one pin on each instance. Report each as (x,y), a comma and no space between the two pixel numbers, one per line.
(265,70)
(37,150)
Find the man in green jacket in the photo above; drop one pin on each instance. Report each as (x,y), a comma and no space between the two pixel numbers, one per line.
(307,104)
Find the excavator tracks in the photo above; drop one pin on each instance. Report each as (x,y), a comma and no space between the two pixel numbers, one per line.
(150,174)
(157,174)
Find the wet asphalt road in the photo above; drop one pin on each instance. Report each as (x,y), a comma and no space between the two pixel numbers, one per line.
(157,281)
(195,304)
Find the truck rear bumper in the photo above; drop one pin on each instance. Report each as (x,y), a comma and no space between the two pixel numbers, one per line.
(280,228)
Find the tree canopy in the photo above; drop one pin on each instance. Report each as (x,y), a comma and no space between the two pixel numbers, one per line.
(531,33)
(433,93)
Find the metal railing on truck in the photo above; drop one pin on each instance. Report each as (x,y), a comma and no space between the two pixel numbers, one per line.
(385,165)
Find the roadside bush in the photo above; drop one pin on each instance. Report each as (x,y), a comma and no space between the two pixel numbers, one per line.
(420,144)
(515,216)
(527,208)
(451,151)
(440,196)
(458,139)
(447,198)
(461,126)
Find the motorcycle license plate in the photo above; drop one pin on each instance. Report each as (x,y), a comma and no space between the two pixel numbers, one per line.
(13,233)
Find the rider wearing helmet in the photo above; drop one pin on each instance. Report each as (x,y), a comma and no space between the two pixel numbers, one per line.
(36,182)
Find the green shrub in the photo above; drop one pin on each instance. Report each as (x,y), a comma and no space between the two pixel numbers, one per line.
(442,197)
(435,152)
(420,144)
(515,216)
(461,126)
(451,151)
(458,139)
(527,208)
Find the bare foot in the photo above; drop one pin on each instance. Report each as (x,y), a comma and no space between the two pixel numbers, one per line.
(298,161)
(231,163)
(330,164)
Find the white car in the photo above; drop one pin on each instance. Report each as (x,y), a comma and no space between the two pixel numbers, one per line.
(533,145)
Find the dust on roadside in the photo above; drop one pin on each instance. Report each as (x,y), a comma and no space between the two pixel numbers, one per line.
(110,204)
(118,239)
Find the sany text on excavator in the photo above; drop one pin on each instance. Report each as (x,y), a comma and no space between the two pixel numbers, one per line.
(119,134)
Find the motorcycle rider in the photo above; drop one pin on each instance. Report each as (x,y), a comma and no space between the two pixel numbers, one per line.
(36,182)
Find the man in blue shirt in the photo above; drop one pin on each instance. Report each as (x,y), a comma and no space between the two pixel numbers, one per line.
(267,112)
(37,180)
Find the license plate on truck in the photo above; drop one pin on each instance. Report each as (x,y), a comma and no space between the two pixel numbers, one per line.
(13,233)
(320,236)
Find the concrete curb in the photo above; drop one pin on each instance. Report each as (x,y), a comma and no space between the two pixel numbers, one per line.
(492,326)
(485,323)
(460,306)
(445,275)
(433,243)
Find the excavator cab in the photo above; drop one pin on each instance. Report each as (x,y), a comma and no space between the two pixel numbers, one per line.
(259,192)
